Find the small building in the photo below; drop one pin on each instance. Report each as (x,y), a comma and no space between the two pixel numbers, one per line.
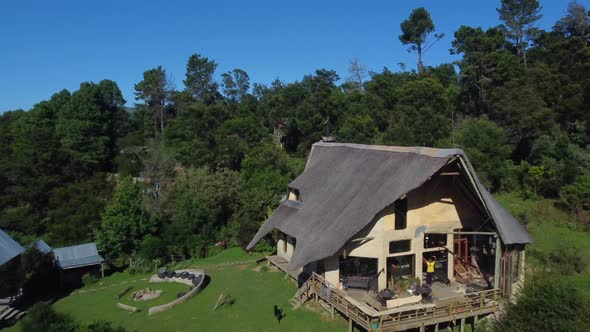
(75,261)
(41,246)
(368,217)
(9,248)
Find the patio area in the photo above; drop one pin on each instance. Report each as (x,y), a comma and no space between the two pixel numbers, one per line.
(442,294)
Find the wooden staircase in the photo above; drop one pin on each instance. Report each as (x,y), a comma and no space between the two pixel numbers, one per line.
(9,315)
(302,295)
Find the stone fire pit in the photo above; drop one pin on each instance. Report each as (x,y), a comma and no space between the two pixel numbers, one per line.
(146,294)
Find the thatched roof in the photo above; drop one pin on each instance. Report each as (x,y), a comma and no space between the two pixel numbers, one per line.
(344,186)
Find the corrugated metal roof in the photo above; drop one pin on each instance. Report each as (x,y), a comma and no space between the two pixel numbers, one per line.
(8,248)
(77,256)
(42,246)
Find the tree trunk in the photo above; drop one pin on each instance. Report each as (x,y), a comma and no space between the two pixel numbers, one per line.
(420,65)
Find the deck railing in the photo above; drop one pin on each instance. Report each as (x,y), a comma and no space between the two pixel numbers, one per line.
(469,305)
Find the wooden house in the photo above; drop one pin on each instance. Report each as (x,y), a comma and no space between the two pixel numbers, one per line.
(368,217)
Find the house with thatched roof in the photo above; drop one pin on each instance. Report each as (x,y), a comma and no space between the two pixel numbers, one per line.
(369,217)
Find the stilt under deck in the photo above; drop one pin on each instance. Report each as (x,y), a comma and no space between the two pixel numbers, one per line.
(420,315)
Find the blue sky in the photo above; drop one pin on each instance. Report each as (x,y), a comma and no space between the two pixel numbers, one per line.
(47,45)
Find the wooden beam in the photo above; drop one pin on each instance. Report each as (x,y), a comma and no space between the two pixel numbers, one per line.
(471,233)
(497,263)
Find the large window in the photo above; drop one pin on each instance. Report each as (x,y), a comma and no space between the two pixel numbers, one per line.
(435,240)
(396,247)
(400,267)
(401,213)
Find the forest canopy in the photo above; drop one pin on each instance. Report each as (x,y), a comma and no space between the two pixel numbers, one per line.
(178,170)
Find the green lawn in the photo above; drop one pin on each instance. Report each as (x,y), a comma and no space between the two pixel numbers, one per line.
(232,273)
(551,229)
(255,294)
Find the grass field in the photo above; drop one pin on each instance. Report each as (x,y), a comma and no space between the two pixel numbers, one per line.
(551,229)
(255,294)
(232,272)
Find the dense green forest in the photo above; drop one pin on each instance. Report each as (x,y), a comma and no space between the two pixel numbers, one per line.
(186,168)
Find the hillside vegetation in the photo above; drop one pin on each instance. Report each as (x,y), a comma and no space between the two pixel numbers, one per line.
(179,173)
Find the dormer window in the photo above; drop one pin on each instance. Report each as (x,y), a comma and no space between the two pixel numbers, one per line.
(294,195)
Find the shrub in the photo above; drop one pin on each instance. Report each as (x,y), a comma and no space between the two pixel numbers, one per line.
(152,248)
(546,304)
(103,326)
(576,197)
(89,279)
(139,265)
(42,318)
(567,260)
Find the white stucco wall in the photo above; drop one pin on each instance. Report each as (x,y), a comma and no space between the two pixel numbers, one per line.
(438,205)
(281,252)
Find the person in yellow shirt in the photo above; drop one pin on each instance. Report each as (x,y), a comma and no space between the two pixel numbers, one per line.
(429,269)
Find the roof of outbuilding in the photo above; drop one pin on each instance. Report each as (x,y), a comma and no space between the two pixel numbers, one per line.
(42,246)
(9,248)
(344,186)
(77,256)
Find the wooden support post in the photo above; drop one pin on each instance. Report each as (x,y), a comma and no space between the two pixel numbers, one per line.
(422,329)
(102,269)
(475,319)
(463,324)
(332,311)
(497,265)
(350,324)
(436,327)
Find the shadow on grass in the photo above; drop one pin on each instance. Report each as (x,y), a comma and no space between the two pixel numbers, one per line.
(206,282)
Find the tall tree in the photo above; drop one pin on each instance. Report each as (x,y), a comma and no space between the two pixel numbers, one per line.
(154,90)
(86,126)
(235,84)
(485,65)
(358,73)
(199,78)
(487,146)
(519,17)
(415,31)
(124,223)
(576,22)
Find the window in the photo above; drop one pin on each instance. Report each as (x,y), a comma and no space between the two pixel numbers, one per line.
(399,267)
(401,213)
(435,240)
(396,247)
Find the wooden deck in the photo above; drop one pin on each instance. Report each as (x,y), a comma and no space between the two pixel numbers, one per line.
(283,265)
(405,317)
(402,318)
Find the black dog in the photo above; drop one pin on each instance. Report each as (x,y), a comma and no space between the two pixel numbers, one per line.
(279,314)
